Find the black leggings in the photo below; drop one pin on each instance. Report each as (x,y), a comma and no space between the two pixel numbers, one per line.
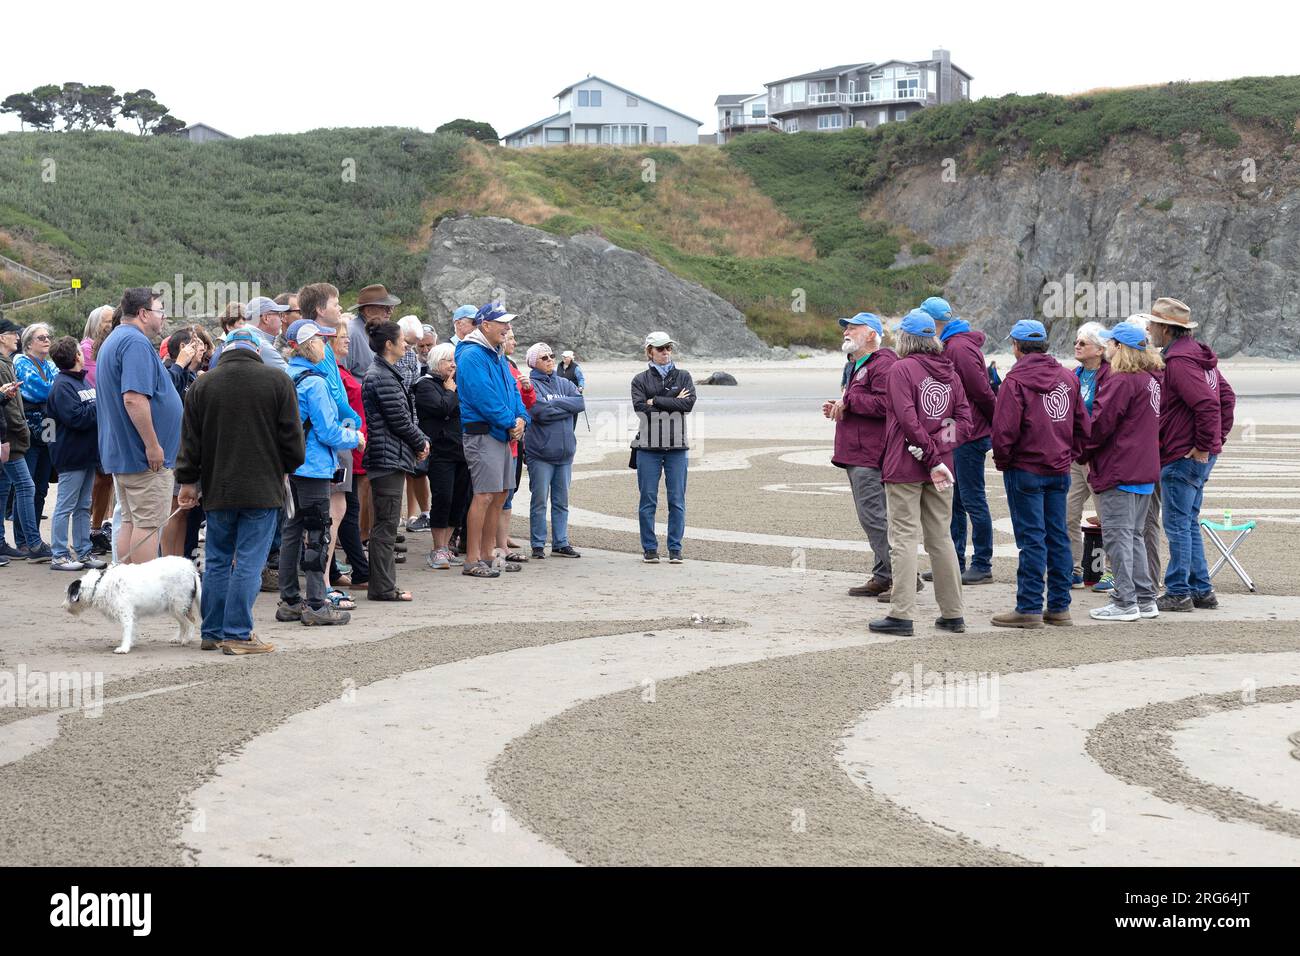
(448,493)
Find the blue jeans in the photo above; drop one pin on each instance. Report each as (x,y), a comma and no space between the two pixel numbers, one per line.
(672,464)
(234,555)
(970,501)
(72,502)
(1037,505)
(16,476)
(1182,486)
(549,480)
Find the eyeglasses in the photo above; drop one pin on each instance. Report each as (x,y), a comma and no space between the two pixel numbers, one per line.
(162,312)
(546,358)
(662,348)
(293,312)
(1083,342)
(41,338)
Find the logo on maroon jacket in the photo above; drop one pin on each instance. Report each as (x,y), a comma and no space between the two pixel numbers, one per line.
(935,397)
(1154,388)
(861,374)
(1212,379)
(1057,402)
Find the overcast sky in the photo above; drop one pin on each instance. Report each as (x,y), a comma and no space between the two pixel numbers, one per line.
(249,68)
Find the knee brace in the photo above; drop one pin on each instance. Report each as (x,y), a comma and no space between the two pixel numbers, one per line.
(316,533)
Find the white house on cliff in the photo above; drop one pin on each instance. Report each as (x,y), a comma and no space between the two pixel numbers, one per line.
(597,111)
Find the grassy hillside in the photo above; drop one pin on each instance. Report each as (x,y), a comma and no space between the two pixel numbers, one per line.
(770,222)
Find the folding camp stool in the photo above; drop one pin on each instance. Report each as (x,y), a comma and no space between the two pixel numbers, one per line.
(1242,532)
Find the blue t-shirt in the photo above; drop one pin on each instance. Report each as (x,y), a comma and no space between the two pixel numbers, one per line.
(1088,386)
(128,363)
(1143,489)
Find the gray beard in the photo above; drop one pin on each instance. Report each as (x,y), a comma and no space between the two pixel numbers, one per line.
(847,347)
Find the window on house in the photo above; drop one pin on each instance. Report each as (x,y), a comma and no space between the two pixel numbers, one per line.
(931,78)
(631,101)
(965,88)
(530,139)
(791,126)
(853,86)
(832,121)
(758,110)
(661,134)
(589,97)
(583,97)
(883,118)
(796,92)
(595,97)
(557,135)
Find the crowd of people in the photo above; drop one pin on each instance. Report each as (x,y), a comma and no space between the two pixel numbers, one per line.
(302,429)
(306,431)
(1137,426)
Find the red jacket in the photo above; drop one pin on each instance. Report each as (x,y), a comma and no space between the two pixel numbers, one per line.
(1124,445)
(927,408)
(353,389)
(966,352)
(860,434)
(529,397)
(1040,424)
(1197,404)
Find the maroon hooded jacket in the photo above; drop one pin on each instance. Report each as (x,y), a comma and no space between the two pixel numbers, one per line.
(966,352)
(860,434)
(1124,445)
(927,408)
(1197,402)
(1040,424)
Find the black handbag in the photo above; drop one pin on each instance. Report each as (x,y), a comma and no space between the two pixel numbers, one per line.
(35,415)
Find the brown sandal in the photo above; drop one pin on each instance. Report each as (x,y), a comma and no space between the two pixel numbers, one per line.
(393,596)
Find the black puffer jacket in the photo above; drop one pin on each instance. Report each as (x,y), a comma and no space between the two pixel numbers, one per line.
(394,438)
(662,426)
(439,413)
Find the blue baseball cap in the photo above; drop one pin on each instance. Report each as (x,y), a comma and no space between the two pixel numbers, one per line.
(867,319)
(1127,333)
(464,312)
(304,329)
(1028,330)
(937,308)
(917,322)
(493,312)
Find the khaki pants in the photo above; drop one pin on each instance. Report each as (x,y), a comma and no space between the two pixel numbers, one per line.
(1075,502)
(920,514)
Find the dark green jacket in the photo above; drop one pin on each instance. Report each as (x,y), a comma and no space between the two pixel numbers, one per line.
(241,433)
(15,415)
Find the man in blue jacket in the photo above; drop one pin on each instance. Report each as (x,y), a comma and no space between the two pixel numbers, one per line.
(492,415)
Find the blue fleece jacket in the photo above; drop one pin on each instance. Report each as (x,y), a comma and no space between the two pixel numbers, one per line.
(71,404)
(317,405)
(487,390)
(555,416)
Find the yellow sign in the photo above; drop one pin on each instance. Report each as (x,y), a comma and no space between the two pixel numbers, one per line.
(76,283)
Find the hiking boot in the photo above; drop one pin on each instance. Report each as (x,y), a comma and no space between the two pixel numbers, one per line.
(955,624)
(887,596)
(40,554)
(270,579)
(418,523)
(1016,619)
(1207,601)
(971,576)
(891,625)
(539,554)
(254,645)
(874,587)
(1058,619)
(288,612)
(1174,602)
(440,560)
(674,557)
(1148,610)
(210,644)
(1113,612)
(568,552)
(66,564)
(1107,583)
(650,557)
(322,616)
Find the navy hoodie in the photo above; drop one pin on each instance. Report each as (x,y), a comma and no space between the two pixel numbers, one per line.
(76,436)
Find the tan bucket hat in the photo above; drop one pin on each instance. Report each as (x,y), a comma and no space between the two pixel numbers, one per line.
(375,295)
(1169,311)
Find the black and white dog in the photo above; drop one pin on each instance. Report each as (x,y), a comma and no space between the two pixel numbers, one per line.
(127,592)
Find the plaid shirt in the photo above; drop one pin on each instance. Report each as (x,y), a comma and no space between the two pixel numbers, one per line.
(408,367)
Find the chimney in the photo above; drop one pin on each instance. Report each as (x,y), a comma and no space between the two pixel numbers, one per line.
(942,55)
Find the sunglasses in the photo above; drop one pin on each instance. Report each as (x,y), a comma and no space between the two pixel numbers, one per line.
(41,338)
(546,358)
(662,348)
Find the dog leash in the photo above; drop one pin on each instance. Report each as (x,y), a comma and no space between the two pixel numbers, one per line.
(150,535)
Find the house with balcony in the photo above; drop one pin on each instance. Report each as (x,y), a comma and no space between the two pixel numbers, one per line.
(865,94)
(596,111)
(742,113)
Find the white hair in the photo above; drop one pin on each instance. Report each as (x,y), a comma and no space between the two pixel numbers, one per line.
(441,353)
(411,326)
(1091,332)
(29,333)
(92,321)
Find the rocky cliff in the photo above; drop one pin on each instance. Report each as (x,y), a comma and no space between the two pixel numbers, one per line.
(1219,229)
(581,293)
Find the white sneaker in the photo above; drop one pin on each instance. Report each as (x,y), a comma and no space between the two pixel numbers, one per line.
(1112,612)
(1148,610)
(66,564)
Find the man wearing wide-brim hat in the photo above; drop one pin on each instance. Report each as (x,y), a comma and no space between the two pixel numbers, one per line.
(374,305)
(1196,411)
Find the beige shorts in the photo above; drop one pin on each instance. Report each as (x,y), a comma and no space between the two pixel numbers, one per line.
(145,497)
